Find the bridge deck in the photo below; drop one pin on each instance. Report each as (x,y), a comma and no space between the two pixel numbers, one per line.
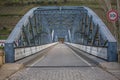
(60,64)
(61,55)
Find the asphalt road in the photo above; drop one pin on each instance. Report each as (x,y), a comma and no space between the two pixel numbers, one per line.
(62,63)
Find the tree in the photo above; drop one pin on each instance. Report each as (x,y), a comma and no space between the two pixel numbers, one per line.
(65,1)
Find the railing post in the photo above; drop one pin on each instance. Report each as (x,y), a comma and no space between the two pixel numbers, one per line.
(9,53)
(112,52)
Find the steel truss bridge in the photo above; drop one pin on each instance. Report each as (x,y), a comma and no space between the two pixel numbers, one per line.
(78,25)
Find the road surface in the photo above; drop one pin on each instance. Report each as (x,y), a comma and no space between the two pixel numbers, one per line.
(62,63)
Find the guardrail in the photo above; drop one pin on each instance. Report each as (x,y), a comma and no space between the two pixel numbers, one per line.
(20,53)
(96,51)
(24,52)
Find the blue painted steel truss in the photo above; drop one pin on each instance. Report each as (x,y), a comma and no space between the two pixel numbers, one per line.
(43,25)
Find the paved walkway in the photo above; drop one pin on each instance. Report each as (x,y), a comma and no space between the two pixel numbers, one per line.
(61,63)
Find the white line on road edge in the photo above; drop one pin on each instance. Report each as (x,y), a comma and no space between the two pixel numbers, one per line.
(36,62)
(82,59)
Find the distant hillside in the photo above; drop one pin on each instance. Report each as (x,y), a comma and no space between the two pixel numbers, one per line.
(11,11)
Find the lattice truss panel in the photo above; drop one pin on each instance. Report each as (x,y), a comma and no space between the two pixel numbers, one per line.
(44,25)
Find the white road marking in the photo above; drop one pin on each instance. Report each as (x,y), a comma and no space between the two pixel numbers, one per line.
(82,59)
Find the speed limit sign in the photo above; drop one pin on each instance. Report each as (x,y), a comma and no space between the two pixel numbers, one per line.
(112,15)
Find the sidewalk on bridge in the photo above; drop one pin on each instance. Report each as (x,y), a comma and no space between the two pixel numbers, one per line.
(8,69)
(111,67)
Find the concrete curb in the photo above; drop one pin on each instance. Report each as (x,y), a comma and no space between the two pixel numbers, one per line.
(110,65)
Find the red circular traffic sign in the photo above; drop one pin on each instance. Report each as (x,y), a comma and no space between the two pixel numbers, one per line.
(112,15)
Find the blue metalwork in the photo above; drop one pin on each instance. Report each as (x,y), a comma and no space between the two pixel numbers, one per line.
(76,24)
